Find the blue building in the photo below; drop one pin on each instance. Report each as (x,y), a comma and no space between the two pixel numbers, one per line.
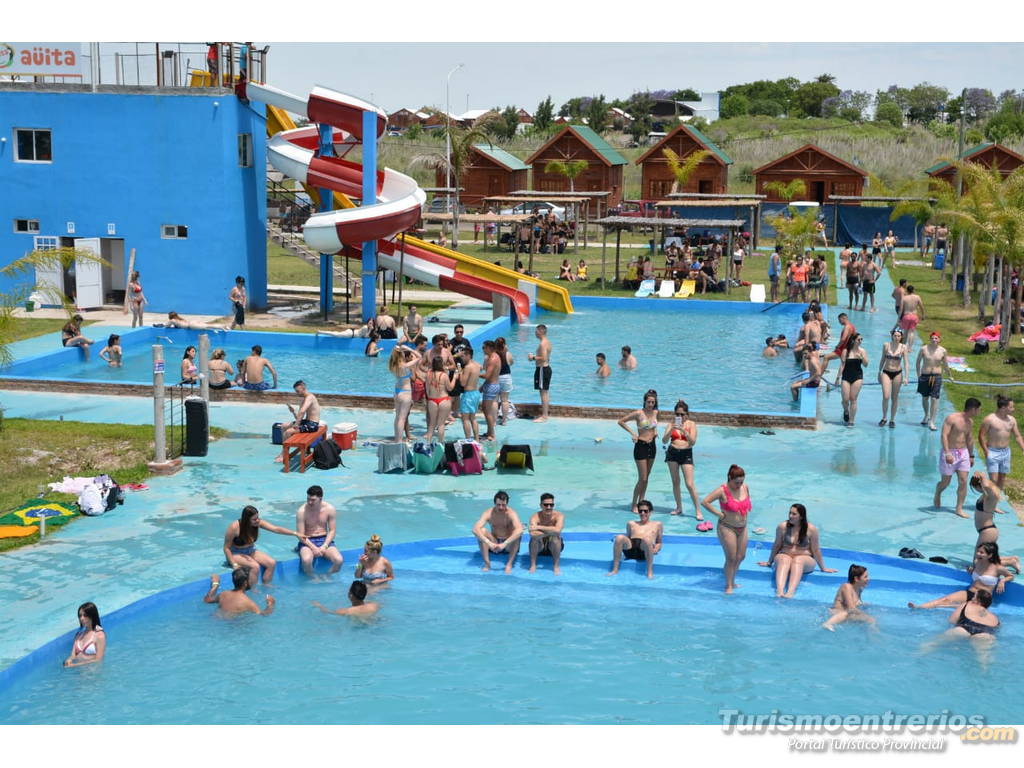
(178,174)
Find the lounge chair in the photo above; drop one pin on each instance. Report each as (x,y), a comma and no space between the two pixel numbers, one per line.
(687,289)
(757,292)
(646,289)
(667,288)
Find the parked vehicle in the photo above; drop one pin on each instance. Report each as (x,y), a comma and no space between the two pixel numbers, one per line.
(443,205)
(535,207)
(640,209)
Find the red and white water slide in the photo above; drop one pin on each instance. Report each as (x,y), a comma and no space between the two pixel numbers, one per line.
(399,198)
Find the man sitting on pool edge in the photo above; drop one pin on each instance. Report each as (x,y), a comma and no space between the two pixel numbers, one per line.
(236,601)
(250,371)
(505,535)
(642,540)
(546,533)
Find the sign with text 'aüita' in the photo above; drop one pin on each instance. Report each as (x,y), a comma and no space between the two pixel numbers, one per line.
(30,59)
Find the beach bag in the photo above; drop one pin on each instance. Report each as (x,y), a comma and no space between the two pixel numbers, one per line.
(515,457)
(91,500)
(464,457)
(980,347)
(393,457)
(326,455)
(426,457)
(112,495)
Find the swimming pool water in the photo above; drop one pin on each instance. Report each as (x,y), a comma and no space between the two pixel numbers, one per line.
(452,645)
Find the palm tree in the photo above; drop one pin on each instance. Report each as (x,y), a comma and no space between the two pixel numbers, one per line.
(61,258)
(461,142)
(682,169)
(787,191)
(568,168)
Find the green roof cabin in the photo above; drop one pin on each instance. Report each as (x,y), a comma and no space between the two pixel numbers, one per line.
(578,142)
(710,176)
(987,154)
(491,171)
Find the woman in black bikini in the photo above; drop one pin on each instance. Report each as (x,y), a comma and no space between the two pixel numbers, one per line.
(974,621)
(644,449)
(681,435)
(893,369)
(71,335)
(851,370)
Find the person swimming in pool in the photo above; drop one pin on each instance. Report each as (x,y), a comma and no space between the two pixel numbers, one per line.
(235,601)
(734,498)
(628,360)
(769,348)
(645,451)
(972,621)
(90,641)
(603,370)
(359,608)
(112,353)
(847,605)
(642,540)
(373,568)
(988,573)
(505,534)
(795,552)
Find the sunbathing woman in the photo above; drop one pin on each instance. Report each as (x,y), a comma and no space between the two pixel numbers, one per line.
(240,544)
(989,574)
(174,320)
(795,552)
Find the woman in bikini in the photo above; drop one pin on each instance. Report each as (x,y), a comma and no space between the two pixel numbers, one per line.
(681,435)
(644,449)
(401,364)
(372,348)
(90,641)
(972,621)
(439,401)
(565,271)
(853,361)
(112,353)
(893,369)
(136,299)
(847,605)
(504,377)
(795,552)
(734,499)
(71,335)
(240,544)
(189,372)
(219,370)
(988,573)
(373,568)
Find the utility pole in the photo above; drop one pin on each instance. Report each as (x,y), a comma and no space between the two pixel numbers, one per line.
(960,240)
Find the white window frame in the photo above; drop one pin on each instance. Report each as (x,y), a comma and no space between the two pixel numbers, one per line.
(28,223)
(245,150)
(18,159)
(177,232)
(46,243)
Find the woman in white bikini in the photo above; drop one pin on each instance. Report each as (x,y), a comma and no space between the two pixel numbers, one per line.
(90,641)
(989,574)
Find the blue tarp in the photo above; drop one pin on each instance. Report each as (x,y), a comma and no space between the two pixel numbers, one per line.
(858,224)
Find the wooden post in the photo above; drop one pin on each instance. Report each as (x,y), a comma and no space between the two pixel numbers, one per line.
(401,275)
(728,256)
(604,247)
(618,245)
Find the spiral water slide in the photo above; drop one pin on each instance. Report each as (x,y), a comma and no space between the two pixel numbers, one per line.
(399,200)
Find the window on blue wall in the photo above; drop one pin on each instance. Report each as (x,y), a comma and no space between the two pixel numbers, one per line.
(33,145)
(28,226)
(245,150)
(173,232)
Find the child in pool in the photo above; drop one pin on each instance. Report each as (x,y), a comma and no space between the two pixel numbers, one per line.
(112,352)
(847,605)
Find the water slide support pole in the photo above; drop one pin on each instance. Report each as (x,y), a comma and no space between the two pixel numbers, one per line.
(326,149)
(369,277)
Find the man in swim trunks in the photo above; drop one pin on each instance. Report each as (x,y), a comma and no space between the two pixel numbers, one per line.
(542,373)
(810,333)
(307,417)
(869,273)
(812,361)
(491,388)
(898,293)
(994,438)
(236,601)
(603,371)
(941,236)
(848,332)
(931,363)
(469,401)
(627,362)
(641,542)
(545,529)
(911,313)
(251,371)
(505,535)
(238,300)
(412,324)
(317,521)
(957,453)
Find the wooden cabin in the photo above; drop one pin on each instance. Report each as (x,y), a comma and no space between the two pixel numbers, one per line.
(404,118)
(710,177)
(987,154)
(604,172)
(823,175)
(491,171)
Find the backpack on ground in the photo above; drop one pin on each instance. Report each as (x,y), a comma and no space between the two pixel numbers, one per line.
(326,455)
(112,495)
(464,457)
(980,347)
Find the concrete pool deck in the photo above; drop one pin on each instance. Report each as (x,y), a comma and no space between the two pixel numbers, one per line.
(867,489)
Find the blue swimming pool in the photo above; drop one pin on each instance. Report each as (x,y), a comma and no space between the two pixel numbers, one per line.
(679,347)
(453,645)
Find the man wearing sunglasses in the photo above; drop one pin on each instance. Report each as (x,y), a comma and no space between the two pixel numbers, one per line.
(546,533)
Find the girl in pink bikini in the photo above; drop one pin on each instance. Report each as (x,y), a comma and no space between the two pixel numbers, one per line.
(734,499)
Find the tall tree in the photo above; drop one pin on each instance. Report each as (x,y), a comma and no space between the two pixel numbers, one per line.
(462,142)
(808,98)
(597,114)
(545,114)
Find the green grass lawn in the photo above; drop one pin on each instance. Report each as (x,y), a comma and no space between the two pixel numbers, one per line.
(285,268)
(34,453)
(944,313)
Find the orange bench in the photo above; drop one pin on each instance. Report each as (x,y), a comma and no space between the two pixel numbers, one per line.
(301,444)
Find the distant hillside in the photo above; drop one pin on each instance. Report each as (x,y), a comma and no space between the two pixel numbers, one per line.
(893,154)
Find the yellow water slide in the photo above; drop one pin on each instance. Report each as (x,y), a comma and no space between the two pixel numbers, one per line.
(548,295)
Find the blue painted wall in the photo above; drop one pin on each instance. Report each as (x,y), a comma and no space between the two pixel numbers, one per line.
(140,160)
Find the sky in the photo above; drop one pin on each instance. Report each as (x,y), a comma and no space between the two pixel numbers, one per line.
(413,75)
